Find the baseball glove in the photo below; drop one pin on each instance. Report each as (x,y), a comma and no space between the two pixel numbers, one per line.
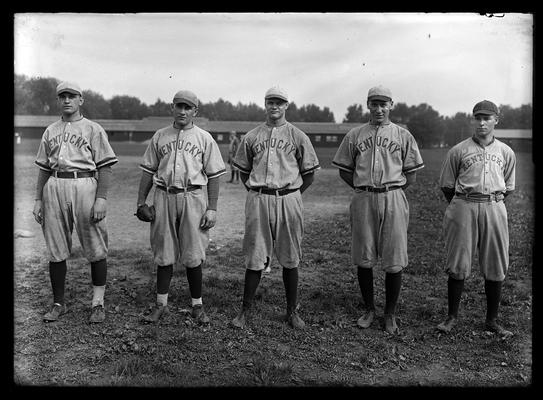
(145,213)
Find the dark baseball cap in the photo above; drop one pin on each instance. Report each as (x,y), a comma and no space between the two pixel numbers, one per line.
(187,97)
(485,107)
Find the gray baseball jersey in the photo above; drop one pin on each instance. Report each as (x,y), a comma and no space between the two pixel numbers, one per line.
(470,223)
(181,159)
(76,146)
(274,158)
(379,156)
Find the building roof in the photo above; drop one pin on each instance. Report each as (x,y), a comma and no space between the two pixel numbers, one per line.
(513,133)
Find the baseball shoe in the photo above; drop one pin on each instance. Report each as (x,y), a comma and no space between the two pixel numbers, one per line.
(199,314)
(266,270)
(98,314)
(493,326)
(447,325)
(365,320)
(390,324)
(158,311)
(295,321)
(240,320)
(56,311)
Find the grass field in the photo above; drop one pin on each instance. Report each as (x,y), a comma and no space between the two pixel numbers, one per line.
(332,351)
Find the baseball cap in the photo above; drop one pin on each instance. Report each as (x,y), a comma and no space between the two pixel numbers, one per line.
(380,93)
(69,87)
(485,107)
(187,97)
(276,92)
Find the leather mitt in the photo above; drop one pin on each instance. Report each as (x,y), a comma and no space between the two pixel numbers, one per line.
(145,213)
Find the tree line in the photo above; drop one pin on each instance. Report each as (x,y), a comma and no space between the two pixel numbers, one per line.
(36,96)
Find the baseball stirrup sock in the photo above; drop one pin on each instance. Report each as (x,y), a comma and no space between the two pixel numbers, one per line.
(454,294)
(194,277)
(252,279)
(290,280)
(162,299)
(98,295)
(57,274)
(493,290)
(393,284)
(99,272)
(163,278)
(365,282)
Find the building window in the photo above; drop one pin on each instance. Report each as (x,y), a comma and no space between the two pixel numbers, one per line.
(317,138)
(219,137)
(331,138)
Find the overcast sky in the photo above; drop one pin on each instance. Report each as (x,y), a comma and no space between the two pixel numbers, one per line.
(447,60)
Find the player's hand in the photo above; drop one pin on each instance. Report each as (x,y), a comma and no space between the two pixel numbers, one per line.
(208,219)
(98,211)
(38,212)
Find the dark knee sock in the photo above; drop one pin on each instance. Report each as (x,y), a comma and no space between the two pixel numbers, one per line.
(290,280)
(194,277)
(393,285)
(99,272)
(454,293)
(252,279)
(57,274)
(163,278)
(365,282)
(493,291)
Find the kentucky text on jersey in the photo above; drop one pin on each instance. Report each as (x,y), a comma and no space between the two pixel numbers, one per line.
(477,158)
(379,141)
(274,143)
(188,147)
(76,140)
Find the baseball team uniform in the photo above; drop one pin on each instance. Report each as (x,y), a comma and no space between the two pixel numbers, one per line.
(181,162)
(275,158)
(72,152)
(379,156)
(476,218)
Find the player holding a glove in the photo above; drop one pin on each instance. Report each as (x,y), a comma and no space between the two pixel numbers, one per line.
(181,160)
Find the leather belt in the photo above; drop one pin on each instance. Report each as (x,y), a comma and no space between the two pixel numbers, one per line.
(172,189)
(73,174)
(480,198)
(376,189)
(275,192)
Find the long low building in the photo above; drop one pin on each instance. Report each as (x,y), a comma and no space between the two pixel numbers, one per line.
(322,134)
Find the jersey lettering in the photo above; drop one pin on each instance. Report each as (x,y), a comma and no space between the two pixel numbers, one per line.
(77,140)
(274,143)
(188,147)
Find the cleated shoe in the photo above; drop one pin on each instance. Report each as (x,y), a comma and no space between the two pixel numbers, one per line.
(98,314)
(56,311)
(240,320)
(493,326)
(390,324)
(365,320)
(295,321)
(158,311)
(447,325)
(199,314)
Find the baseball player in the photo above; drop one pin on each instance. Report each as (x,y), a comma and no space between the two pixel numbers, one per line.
(476,176)
(74,159)
(181,160)
(232,149)
(379,160)
(277,162)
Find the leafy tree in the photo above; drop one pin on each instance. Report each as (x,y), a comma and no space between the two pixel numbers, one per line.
(160,109)
(127,107)
(354,113)
(426,125)
(95,106)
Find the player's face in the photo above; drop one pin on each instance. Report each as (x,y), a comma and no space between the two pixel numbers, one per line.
(183,114)
(69,103)
(275,108)
(379,110)
(484,125)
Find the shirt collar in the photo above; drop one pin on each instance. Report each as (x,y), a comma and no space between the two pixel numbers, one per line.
(476,140)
